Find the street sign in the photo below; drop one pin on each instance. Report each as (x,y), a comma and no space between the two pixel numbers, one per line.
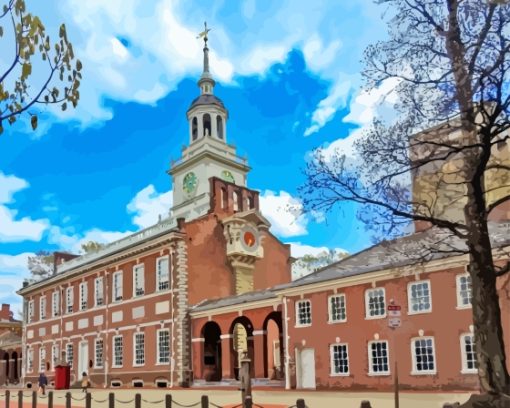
(394,307)
(393,313)
(394,322)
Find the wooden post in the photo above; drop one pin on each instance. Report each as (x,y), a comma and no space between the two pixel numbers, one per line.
(50,399)
(138,400)
(20,399)
(68,399)
(245,377)
(397,402)
(300,403)
(34,399)
(168,401)
(205,401)
(88,400)
(7,399)
(365,404)
(111,400)
(248,402)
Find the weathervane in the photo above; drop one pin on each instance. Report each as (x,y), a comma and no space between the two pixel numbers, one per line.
(204,33)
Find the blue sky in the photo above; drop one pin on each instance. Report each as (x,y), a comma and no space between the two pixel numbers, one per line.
(289,73)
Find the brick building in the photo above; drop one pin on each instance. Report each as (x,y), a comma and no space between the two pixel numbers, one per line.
(181,301)
(10,347)
(121,314)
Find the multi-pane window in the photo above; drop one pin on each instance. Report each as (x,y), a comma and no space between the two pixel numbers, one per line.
(42,359)
(117,286)
(378,357)
(139,349)
(54,356)
(303,312)
(42,308)
(339,359)
(30,311)
(69,299)
(98,362)
(83,296)
(423,355)
(375,304)
(117,351)
(138,280)
(69,354)
(468,352)
(55,304)
(419,299)
(464,292)
(337,312)
(163,346)
(30,360)
(163,275)
(99,291)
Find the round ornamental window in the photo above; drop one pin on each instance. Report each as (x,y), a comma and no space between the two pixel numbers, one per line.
(249,239)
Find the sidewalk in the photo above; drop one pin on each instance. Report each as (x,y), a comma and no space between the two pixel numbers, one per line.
(154,398)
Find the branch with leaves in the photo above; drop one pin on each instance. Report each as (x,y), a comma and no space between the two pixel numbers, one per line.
(34,52)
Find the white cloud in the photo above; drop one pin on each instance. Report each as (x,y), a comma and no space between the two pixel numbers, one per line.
(317,56)
(13,269)
(12,228)
(148,205)
(284,212)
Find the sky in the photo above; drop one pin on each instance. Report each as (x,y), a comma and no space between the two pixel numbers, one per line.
(289,72)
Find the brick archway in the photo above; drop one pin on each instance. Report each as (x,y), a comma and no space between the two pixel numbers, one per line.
(211,364)
(241,330)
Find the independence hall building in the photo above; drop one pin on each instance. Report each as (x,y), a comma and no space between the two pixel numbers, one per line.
(179,303)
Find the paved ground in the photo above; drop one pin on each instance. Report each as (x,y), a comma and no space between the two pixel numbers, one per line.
(230,398)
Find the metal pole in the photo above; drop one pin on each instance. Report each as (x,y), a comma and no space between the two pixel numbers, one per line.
(88,400)
(138,400)
(7,398)
(50,399)
(68,399)
(111,400)
(396,382)
(168,401)
(300,403)
(205,401)
(34,399)
(20,399)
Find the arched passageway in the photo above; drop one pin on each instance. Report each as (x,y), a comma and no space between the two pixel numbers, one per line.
(273,347)
(211,334)
(241,330)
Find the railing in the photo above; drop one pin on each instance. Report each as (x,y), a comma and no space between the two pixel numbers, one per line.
(137,401)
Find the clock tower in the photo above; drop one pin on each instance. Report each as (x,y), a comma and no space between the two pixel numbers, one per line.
(208,154)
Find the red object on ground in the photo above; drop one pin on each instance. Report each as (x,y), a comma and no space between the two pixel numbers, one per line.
(62,377)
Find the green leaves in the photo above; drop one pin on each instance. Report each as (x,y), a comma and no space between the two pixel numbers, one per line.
(26,70)
(33,122)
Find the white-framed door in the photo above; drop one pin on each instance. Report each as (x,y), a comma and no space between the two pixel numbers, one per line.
(83,358)
(306,372)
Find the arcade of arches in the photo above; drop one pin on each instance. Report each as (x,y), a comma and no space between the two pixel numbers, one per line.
(10,358)
(221,340)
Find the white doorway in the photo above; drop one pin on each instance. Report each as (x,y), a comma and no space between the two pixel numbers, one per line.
(306,372)
(83,358)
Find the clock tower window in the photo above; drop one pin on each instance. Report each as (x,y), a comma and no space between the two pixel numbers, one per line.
(224,198)
(219,127)
(207,124)
(194,128)
(235,199)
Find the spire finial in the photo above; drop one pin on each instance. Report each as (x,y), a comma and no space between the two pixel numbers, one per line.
(206,49)
(204,34)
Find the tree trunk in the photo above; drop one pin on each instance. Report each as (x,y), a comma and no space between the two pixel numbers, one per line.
(489,342)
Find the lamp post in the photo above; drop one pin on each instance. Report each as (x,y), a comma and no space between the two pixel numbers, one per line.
(394,322)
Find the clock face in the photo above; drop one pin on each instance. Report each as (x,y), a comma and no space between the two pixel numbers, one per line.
(189,184)
(249,239)
(227,176)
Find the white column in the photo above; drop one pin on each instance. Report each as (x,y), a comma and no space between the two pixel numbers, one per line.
(214,127)
(200,126)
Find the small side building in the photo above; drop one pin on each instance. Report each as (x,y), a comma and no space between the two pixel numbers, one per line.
(10,347)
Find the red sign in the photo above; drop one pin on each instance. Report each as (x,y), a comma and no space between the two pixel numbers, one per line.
(394,307)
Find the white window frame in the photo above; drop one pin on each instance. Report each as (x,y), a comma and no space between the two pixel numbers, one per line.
(464,367)
(69,299)
(84,294)
(158,276)
(54,356)
(158,340)
(96,348)
(140,280)
(99,291)
(42,358)
(138,362)
(460,304)
(30,360)
(31,308)
(114,352)
(415,370)
(298,322)
(410,310)
(371,372)
(332,362)
(70,361)
(42,307)
(117,290)
(55,304)
(330,308)
(367,303)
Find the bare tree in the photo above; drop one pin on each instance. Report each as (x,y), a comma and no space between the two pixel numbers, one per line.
(30,75)
(445,160)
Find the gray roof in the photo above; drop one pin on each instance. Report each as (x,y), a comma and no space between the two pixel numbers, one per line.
(206,99)
(416,248)
(234,300)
